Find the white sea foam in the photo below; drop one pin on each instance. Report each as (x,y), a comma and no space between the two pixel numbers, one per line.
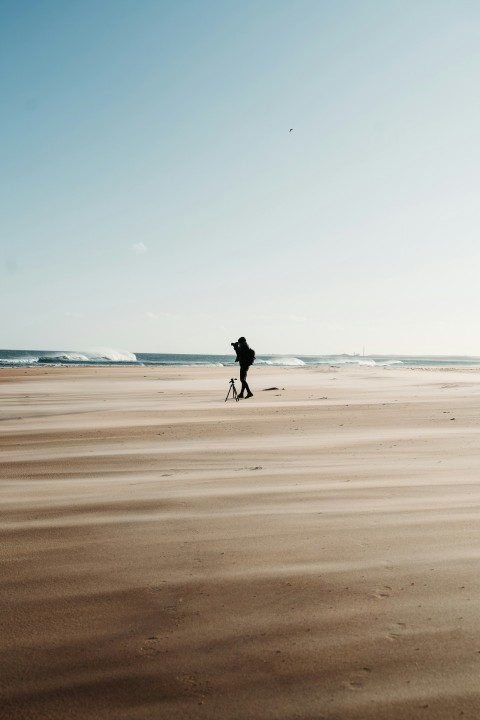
(355,361)
(18,361)
(62,357)
(96,355)
(70,357)
(288,361)
(367,362)
(362,361)
(111,355)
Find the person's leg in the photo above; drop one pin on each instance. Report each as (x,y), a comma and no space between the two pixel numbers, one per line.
(243,378)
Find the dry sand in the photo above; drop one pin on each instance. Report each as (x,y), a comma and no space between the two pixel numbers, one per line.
(310,553)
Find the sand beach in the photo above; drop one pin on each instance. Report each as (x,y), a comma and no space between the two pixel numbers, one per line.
(310,553)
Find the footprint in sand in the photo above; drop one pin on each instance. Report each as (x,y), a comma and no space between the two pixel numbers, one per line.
(398,629)
(382,593)
(357,679)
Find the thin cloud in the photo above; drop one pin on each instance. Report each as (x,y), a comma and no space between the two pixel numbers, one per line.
(151,315)
(139,248)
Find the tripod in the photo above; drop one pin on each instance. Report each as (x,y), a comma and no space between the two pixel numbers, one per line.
(232,389)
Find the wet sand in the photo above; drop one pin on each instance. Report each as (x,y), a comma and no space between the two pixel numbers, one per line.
(311,553)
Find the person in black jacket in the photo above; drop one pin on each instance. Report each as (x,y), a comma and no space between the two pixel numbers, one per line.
(244,357)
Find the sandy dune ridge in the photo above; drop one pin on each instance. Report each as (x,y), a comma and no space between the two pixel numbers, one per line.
(310,553)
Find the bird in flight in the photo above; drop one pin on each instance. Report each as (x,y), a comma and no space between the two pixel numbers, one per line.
(291,130)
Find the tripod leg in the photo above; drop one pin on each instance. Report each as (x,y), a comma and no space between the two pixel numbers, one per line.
(228,393)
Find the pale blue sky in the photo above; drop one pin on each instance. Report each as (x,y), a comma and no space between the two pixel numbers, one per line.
(153,199)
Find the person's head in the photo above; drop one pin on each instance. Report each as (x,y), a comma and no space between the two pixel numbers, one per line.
(242,340)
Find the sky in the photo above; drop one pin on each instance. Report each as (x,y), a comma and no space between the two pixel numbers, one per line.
(153,198)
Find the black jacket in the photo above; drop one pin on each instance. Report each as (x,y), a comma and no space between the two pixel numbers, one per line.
(243,354)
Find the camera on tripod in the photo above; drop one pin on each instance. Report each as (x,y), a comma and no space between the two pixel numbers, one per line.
(232,389)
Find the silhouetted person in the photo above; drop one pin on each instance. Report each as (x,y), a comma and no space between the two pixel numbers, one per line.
(245,358)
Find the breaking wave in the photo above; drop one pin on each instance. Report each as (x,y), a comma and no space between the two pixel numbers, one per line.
(97,356)
(8,362)
(112,355)
(282,361)
(63,358)
(105,356)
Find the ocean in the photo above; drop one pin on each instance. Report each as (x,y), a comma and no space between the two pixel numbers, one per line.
(110,357)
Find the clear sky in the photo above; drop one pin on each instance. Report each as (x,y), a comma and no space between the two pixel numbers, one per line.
(153,199)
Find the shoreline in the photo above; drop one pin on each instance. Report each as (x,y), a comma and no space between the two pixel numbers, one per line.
(311,552)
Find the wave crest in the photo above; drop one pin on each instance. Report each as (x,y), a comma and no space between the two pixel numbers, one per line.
(289,361)
(63,358)
(111,354)
(18,361)
(94,356)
